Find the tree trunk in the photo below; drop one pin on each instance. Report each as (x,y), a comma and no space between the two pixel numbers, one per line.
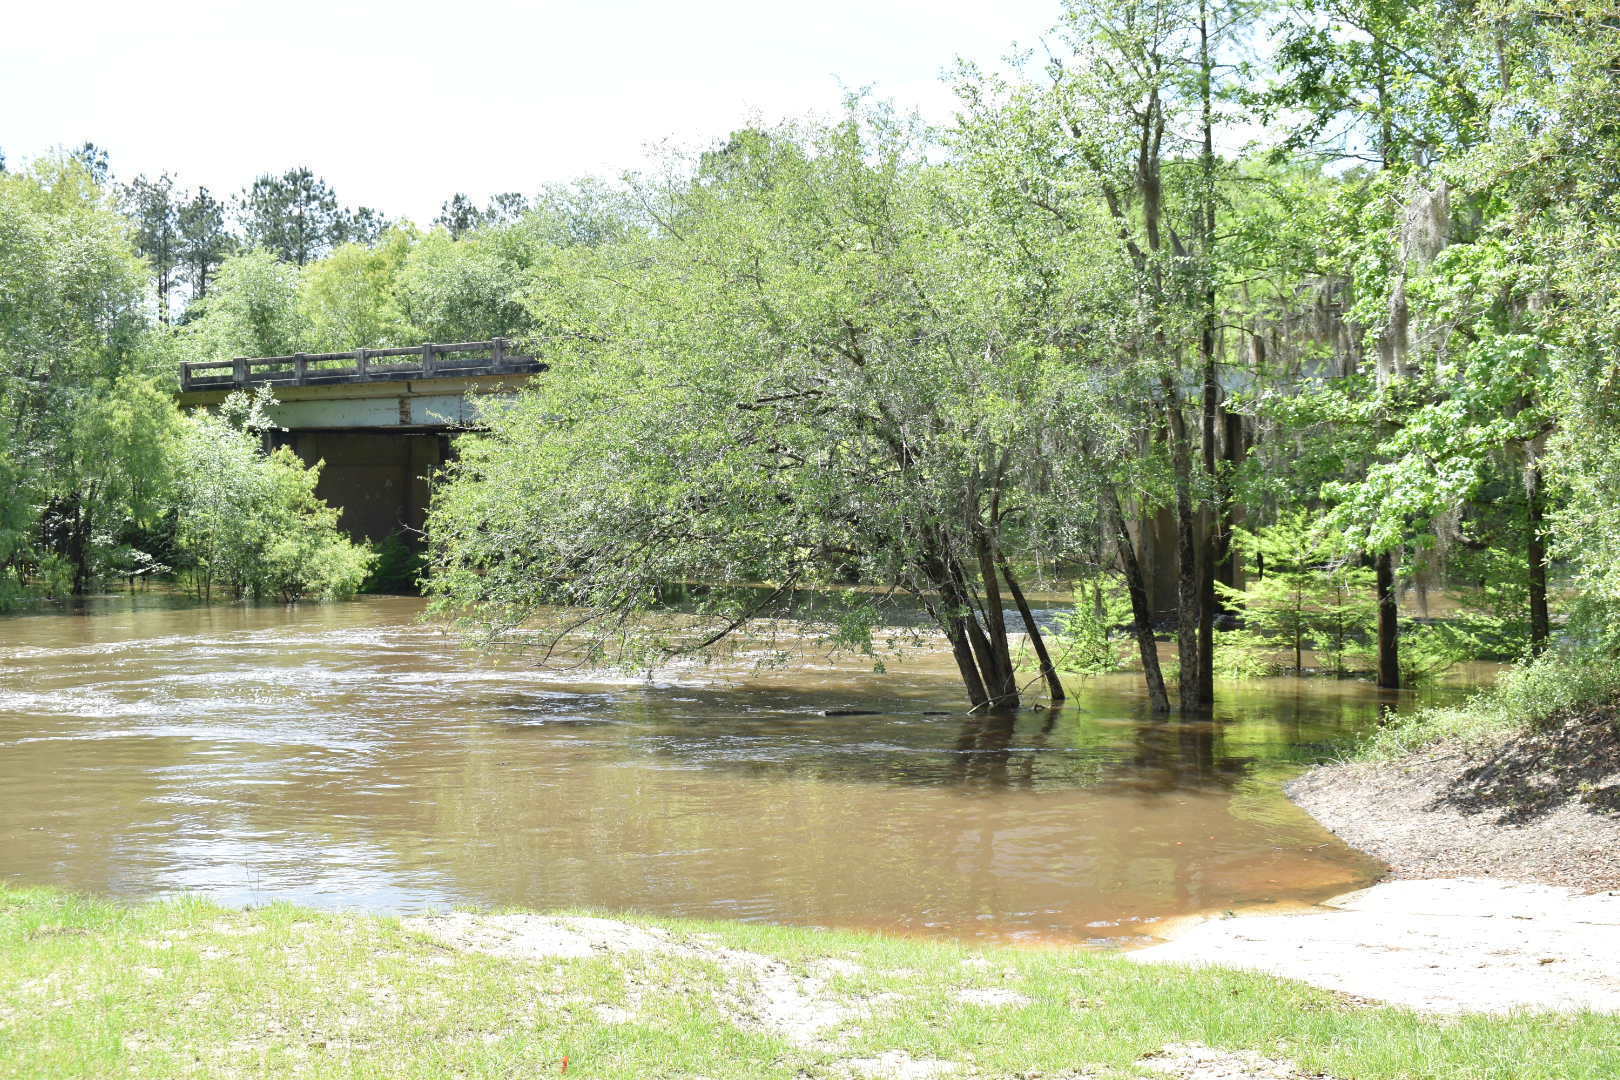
(1389,649)
(76,543)
(1188,594)
(1054,685)
(956,631)
(986,680)
(1222,556)
(1536,552)
(1205,694)
(1000,690)
(992,640)
(1141,610)
(995,616)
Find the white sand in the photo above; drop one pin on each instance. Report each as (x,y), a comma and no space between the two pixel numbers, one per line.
(1448,945)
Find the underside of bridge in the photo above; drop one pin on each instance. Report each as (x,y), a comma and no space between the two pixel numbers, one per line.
(381,482)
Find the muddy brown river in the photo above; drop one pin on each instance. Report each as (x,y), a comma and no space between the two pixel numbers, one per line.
(349,756)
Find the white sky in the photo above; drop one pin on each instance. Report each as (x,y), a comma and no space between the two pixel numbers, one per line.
(400,104)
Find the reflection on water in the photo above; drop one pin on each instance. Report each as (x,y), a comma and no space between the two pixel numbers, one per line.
(346,755)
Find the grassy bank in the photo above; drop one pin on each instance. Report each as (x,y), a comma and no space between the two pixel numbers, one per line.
(90,988)
(1527,698)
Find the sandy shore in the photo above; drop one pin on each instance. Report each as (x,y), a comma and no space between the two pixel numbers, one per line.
(1516,812)
(1452,945)
(1504,889)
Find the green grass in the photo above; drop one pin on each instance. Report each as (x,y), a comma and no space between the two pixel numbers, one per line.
(92,988)
(1525,696)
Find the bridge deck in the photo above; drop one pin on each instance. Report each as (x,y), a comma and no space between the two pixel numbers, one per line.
(428,361)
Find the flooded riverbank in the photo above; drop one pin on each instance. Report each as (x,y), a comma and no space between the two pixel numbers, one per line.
(349,756)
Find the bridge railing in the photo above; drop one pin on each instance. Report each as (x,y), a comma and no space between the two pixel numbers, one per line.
(428,361)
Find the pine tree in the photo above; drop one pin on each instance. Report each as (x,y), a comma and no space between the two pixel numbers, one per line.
(460,215)
(151,205)
(1309,597)
(204,240)
(295,216)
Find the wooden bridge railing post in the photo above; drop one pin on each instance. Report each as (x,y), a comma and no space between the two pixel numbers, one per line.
(457,359)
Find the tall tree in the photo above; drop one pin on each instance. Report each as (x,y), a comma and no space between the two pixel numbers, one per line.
(1122,120)
(1391,83)
(95,162)
(295,216)
(460,215)
(153,208)
(470,289)
(813,367)
(205,240)
(364,225)
(70,327)
(506,207)
(253,309)
(351,298)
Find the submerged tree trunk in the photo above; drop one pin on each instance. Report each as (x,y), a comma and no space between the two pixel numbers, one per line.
(990,641)
(1188,594)
(1205,692)
(1210,526)
(1054,685)
(989,680)
(1141,611)
(65,529)
(1223,557)
(1001,692)
(956,631)
(982,657)
(995,616)
(1389,650)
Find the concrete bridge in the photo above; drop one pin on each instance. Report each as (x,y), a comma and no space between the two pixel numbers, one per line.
(380,418)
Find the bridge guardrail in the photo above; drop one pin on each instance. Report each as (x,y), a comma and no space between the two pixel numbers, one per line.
(427,361)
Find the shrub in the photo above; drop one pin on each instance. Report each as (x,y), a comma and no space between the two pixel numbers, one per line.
(1085,642)
(1527,695)
(1244,654)
(397,569)
(250,522)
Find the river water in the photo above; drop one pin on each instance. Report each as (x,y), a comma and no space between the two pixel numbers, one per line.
(348,755)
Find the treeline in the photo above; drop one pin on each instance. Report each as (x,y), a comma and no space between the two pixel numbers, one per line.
(105,287)
(186,234)
(101,477)
(404,286)
(1094,326)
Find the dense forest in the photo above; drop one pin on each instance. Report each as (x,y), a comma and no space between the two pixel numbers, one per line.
(1309,304)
